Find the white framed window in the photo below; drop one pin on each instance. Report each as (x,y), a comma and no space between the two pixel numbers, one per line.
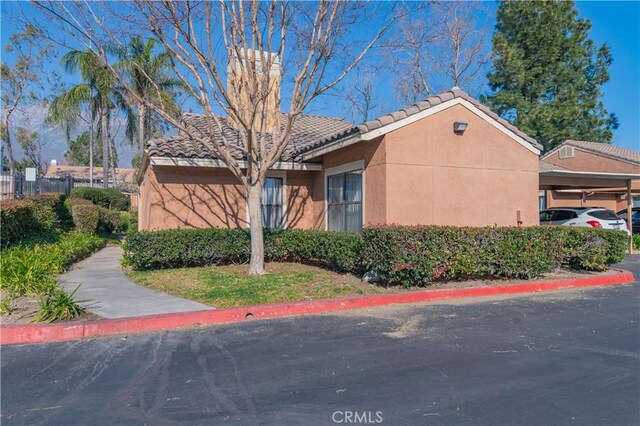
(344,197)
(274,200)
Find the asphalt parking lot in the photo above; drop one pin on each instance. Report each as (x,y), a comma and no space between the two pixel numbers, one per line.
(569,357)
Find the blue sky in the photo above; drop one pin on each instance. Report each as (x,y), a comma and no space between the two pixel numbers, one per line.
(614,23)
(618,25)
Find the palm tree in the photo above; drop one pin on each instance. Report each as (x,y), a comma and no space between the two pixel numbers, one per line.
(149,79)
(98,92)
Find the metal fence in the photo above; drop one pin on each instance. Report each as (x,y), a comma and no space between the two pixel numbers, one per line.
(18,187)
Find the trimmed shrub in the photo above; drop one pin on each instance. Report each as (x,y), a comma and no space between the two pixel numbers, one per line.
(636,241)
(133,222)
(339,251)
(412,256)
(86,218)
(419,255)
(16,220)
(198,247)
(51,211)
(104,197)
(109,220)
(74,201)
(26,219)
(124,219)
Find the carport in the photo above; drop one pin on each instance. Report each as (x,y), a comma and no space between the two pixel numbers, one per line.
(584,187)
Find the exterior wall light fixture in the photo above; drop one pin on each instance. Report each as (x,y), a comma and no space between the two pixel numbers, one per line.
(459,127)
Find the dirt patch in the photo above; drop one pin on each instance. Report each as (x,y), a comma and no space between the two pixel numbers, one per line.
(24,309)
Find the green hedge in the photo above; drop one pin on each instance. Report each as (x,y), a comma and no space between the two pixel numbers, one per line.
(24,219)
(86,218)
(104,197)
(398,255)
(197,247)
(51,211)
(16,220)
(420,255)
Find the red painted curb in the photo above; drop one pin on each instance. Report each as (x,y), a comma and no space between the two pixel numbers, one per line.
(40,333)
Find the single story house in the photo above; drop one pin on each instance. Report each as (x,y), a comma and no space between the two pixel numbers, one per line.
(590,174)
(81,173)
(447,160)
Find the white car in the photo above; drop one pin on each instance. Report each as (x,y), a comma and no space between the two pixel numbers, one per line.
(593,217)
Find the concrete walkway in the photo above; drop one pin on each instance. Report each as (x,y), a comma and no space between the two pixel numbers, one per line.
(113,295)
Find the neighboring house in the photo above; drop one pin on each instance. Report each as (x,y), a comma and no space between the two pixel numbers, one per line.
(445,161)
(590,174)
(81,173)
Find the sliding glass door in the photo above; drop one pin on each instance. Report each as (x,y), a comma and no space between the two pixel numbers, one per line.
(344,201)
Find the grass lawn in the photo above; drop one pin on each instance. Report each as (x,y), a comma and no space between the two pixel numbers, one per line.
(230,286)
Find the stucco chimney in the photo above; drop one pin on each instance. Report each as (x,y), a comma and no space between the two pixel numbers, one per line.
(268,92)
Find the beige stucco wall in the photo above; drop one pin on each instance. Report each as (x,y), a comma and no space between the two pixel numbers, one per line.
(480,178)
(375,190)
(422,173)
(586,161)
(200,197)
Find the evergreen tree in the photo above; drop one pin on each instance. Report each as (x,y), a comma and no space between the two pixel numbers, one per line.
(547,73)
(78,152)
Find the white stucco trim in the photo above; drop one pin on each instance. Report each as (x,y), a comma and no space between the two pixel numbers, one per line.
(579,174)
(343,168)
(206,162)
(441,107)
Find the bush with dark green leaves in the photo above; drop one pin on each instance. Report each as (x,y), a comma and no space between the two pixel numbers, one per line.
(86,218)
(407,255)
(109,220)
(16,220)
(419,255)
(51,211)
(104,197)
(198,247)
(25,219)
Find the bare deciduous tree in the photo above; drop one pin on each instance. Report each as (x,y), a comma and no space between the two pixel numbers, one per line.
(254,45)
(361,95)
(19,81)
(445,45)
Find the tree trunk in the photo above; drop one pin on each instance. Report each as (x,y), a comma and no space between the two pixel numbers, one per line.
(256,266)
(104,123)
(12,163)
(142,115)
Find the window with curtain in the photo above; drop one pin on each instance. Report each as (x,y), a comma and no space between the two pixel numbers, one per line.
(344,201)
(272,203)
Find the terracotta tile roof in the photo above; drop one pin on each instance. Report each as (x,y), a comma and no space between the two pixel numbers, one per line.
(607,150)
(548,167)
(432,101)
(82,172)
(307,130)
